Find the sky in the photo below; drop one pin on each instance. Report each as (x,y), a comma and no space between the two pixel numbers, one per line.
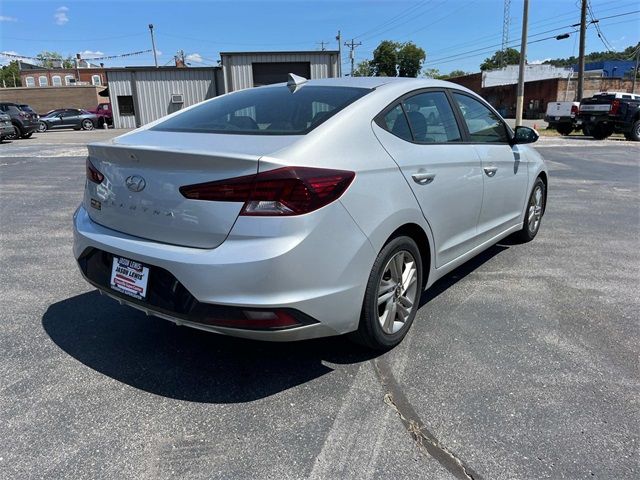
(456,34)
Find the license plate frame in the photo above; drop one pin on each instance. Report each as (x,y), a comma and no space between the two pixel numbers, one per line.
(129,277)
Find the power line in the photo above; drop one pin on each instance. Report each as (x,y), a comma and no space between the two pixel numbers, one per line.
(393,19)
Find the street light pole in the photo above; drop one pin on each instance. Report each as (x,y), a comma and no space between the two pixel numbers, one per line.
(523,59)
(153,45)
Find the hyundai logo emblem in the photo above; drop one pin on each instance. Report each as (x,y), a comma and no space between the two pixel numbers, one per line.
(135,183)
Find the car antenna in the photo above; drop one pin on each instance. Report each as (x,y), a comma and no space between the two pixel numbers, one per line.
(295,81)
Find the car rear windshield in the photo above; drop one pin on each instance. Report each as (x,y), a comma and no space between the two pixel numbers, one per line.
(265,111)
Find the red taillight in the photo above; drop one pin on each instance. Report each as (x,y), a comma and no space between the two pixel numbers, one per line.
(614,107)
(284,191)
(93,174)
(255,320)
(574,110)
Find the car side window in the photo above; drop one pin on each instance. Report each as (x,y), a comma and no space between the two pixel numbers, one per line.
(431,118)
(483,124)
(395,122)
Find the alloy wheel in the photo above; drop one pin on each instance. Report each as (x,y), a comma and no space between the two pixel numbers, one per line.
(535,209)
(397,292)
(87,124)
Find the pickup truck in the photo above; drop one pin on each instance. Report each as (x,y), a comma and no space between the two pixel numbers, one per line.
(104,113)
(562,116)
(611,112)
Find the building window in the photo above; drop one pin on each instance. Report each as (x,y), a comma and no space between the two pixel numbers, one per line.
(56,81)
(96,80)
(30,81)
(69,79)
(125,105)
(43,81)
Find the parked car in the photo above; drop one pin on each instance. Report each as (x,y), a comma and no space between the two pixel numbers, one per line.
(26,108)
(305,209)
(68,118)
(104,113)
(6,127)
(562,116)
(611,112)
(24,123)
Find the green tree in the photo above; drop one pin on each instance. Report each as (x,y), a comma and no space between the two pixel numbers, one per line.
(455,73)
(49,60)
(500,59)
(431,73)
(10,75)
(363,69)
(394,59)
(410,58)
(385,59)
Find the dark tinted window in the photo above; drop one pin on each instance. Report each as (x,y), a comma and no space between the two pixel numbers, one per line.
(483,124)
(396,122)
(431,118)
(125,104)
(265,111)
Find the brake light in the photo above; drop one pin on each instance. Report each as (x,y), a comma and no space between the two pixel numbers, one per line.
(93,174)
(255,320)
(281,192)
(614,107)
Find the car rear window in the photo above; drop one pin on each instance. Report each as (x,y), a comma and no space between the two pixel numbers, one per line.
(265,111)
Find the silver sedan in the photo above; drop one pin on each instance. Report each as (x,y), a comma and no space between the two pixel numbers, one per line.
(305,209)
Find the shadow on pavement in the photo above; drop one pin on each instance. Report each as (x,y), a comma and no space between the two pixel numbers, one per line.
(465,269)
(156,356)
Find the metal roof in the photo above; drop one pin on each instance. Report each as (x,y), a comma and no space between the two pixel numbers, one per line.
(285,52)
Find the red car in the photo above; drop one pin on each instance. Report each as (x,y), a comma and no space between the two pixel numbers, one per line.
(104,113)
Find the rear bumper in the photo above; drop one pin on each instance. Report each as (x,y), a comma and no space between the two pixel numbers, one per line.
(318,265)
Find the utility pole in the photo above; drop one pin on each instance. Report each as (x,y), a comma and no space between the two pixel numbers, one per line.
(523,59)
(339,39)
(322,45)
(635,71)
(583,39)
(352,45)
(153,45)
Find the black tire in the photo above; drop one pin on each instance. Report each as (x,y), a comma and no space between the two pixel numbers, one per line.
(42,127)
(564,129)
(600,132)
(16,133)
(370,331)
(87,124)
(634,134)
(27,135)
(529,229)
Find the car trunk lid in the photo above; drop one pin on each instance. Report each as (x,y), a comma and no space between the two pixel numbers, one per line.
(143,173)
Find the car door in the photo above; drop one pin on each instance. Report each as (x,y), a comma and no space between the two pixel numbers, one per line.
(70,118)
(421,134)
(505,175)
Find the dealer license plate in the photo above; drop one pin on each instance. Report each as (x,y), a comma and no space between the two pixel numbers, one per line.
(129,277)
(557,118)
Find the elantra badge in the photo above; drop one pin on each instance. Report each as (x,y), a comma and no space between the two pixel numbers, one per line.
(135,183)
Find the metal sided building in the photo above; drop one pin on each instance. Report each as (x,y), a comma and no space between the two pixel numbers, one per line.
(140,95)
(253,69)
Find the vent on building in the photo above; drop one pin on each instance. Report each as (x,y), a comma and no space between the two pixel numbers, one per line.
(177,98)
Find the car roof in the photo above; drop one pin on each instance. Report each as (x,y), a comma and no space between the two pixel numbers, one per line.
(376,82)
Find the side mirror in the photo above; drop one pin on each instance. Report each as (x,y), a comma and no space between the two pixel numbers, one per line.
(524,135)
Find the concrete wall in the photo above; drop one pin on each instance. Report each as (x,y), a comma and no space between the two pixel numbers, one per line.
(238,73)
(152,88)
(509,74)
(45,99)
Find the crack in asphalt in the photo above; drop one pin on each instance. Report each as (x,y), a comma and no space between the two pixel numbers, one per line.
(425,440)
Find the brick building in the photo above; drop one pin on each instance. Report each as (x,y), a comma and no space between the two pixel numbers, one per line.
(86,74)
(538,93)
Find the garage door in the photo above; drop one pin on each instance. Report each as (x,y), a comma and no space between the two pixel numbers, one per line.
(276,72)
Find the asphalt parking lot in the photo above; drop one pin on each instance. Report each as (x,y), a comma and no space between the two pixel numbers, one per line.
(522,364)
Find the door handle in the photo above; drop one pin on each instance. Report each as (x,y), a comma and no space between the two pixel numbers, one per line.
(423,178)
(490,171)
